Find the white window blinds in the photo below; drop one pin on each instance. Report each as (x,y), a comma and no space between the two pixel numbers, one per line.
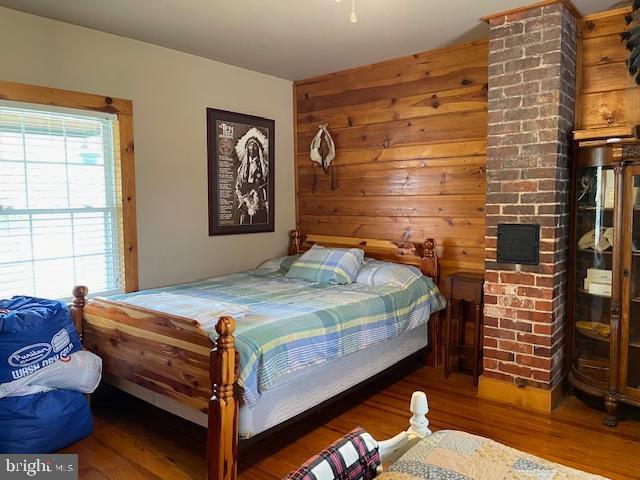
(59,214)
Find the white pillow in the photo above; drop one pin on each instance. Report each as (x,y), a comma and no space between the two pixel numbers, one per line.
(377,272)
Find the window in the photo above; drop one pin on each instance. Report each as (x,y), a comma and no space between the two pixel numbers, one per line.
(60,201)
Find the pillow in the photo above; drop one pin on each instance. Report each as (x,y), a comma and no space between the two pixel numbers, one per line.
(353,457)
(376,272)
(282,264)
(286,263)
(328,265)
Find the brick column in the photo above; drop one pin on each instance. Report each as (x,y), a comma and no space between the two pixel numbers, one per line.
(532,91)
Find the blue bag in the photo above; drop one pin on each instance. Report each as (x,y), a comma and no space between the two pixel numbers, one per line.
(44,422)
(34,333)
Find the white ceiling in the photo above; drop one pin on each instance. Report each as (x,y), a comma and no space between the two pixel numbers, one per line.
(292,39)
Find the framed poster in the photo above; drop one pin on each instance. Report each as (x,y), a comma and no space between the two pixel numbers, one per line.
(241,173)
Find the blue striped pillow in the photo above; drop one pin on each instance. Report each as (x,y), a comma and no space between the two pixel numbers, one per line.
(376,272)
(328,265)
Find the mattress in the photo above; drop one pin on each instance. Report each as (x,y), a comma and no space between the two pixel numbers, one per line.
(299,391)
(304,389)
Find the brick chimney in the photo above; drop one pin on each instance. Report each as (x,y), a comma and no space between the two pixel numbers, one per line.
(532,92)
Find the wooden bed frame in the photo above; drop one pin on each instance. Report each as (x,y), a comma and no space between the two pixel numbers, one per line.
(173,357)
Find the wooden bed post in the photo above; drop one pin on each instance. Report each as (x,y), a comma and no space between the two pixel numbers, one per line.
(431,268)
(77,307)
(430,261)
(222,436)
(294,242)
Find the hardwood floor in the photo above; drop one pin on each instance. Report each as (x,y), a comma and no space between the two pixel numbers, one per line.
(133,440)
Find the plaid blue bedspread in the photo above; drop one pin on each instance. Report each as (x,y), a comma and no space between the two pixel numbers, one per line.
(284,324)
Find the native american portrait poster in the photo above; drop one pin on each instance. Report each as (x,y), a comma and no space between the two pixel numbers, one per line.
(241,177)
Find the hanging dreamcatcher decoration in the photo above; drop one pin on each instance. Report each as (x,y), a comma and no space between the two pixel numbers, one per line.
(632,38)
(323,152)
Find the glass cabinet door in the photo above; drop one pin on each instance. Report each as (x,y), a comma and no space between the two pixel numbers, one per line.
(594,222)
(630,352)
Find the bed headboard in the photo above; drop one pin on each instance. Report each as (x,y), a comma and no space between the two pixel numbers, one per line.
(422,255)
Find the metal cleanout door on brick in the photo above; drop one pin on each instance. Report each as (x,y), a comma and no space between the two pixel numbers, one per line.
(60,220)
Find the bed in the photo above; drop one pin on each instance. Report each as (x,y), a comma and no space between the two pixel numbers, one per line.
(418,454)
(246,376)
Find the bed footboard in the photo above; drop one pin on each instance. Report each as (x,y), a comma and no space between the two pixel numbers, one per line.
(171,356)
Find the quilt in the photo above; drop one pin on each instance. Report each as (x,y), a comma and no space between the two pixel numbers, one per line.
(453,455)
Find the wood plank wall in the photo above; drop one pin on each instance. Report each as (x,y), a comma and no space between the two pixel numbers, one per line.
(608,96)
(410,136)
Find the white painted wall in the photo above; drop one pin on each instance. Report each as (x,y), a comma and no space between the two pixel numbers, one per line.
(170,91)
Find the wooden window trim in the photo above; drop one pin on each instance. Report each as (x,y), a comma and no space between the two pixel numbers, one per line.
(19,92)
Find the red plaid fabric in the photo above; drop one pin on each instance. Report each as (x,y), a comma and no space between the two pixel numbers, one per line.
(353,457)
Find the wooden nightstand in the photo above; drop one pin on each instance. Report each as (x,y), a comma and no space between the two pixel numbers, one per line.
(464,304)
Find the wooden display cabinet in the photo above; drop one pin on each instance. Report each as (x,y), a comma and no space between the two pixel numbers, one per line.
(604,283)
